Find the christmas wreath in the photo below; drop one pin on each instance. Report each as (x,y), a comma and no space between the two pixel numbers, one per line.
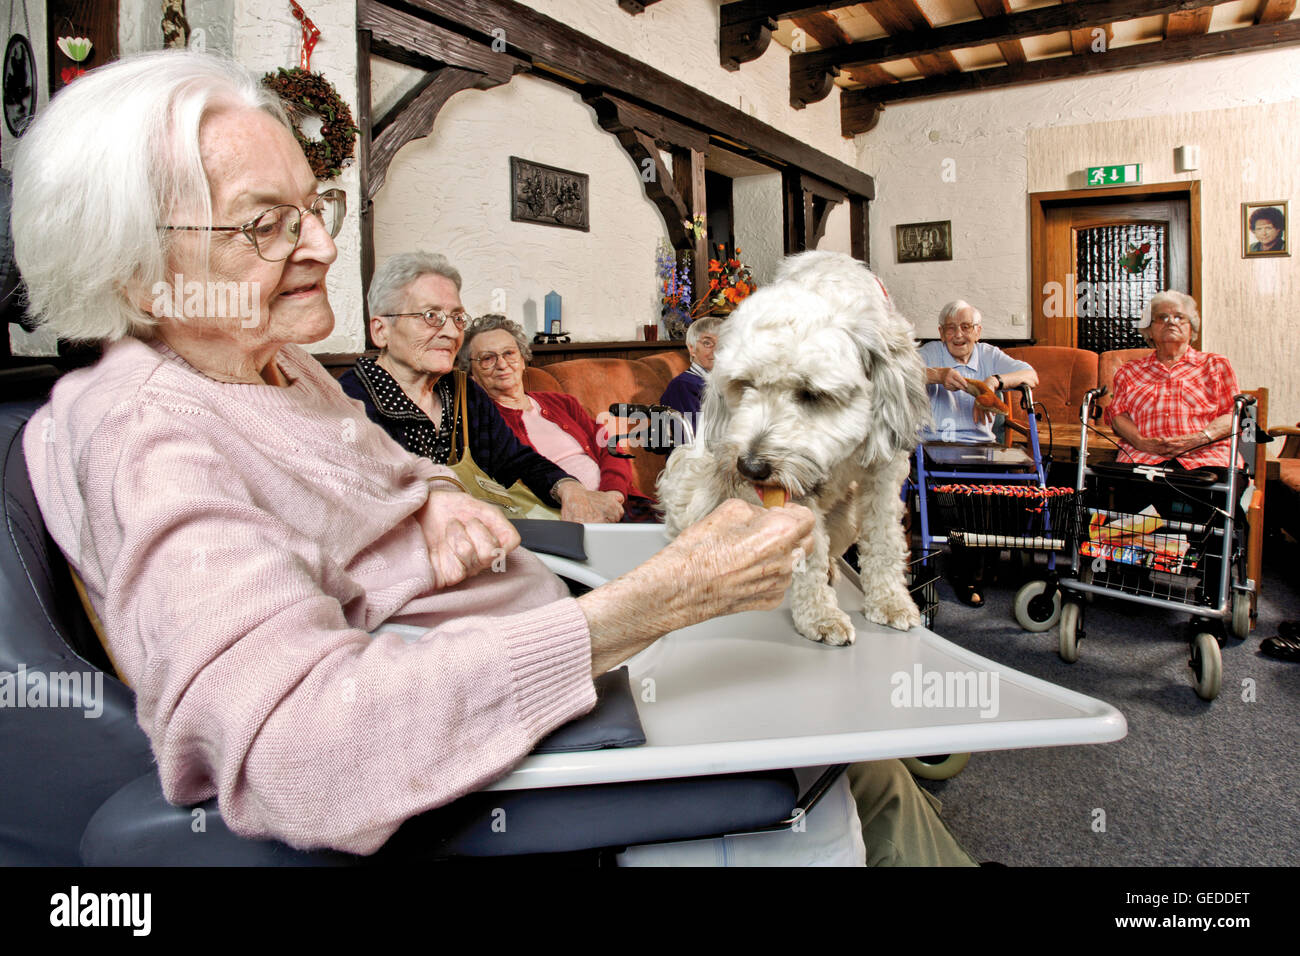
(304,92)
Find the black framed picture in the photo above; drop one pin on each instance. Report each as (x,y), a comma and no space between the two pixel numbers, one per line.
(19,85)
(549,196)
(1263,229)
(923,241)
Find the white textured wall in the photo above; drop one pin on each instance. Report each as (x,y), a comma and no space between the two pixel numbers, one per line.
(450,190)
(756,204)
(450,193)
(266,36)
(987,135)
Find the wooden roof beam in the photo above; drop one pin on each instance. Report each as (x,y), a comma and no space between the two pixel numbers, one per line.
(996,29)
(856,106)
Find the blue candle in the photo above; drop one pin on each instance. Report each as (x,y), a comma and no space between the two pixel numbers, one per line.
(553,325)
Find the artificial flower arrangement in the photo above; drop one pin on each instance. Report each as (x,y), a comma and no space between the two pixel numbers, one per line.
(675,289)
(730,283)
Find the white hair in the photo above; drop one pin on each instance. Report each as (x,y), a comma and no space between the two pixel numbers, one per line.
(390,280)
(114,155)
(1185,303)
(955,306)
(702,327)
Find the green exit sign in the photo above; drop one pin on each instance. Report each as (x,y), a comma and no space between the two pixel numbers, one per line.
(1125,175)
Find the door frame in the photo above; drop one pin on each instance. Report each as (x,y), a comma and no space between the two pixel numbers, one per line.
(1040,202)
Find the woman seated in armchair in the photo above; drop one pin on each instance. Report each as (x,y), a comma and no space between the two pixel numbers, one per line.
(410,390)
(553,424)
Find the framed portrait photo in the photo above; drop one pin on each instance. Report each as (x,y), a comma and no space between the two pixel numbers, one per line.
(923,241)
(1264,229)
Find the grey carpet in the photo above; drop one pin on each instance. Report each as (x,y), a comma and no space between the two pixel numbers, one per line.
(1194,783)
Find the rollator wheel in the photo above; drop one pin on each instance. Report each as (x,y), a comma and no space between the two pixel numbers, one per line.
(1033,611)
(1207,666)
(1071,618)
(1241,615)
(937,767)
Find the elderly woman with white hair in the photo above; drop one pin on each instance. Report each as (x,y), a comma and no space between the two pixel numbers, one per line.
(553,424)
(1174,406)
(686,392)
(240,527)
(412,391)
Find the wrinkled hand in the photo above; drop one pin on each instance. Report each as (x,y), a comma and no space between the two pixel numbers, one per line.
(579,504)
(464,535)
(740,557)
(953,380)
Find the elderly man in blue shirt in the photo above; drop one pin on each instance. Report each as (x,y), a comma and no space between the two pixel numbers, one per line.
(958,357)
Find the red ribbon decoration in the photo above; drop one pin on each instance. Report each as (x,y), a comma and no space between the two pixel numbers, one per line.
(310,34)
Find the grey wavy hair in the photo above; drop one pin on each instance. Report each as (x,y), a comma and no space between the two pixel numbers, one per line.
(701,327)
(491,323)
(955,306)
(114,155)
(388,284)
(1185,303)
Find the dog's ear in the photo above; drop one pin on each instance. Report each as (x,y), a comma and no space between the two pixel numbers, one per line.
(714,414)
(900,404)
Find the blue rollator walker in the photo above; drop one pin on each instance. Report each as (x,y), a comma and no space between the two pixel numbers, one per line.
(1186,558)
(995,497)
(972,523)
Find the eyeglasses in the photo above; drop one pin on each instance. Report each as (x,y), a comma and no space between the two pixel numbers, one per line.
(433,318)
(488,360)
(1169,319)
(966,328)
(275,233)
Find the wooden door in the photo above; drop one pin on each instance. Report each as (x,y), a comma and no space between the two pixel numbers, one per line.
(1097,260)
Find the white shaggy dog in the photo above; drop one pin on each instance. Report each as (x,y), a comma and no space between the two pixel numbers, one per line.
(818,389)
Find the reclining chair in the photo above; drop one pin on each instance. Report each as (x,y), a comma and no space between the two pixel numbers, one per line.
(79,789)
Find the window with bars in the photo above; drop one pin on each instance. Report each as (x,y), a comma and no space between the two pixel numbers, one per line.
(1117,267)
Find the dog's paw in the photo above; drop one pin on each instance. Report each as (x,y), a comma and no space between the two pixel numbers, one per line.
(893,610)
(828,626)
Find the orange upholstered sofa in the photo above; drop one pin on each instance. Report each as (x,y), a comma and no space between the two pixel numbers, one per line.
(600,382)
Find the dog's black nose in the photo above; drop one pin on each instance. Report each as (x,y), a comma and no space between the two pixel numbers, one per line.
(754,468)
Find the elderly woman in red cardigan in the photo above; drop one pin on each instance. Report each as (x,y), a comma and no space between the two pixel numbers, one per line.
(552,423)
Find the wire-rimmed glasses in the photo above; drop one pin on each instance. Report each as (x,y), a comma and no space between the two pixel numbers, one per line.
(433,318)
(487,361)
(275,233)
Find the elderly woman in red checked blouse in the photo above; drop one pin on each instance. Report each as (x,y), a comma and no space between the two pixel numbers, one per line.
(1175,406)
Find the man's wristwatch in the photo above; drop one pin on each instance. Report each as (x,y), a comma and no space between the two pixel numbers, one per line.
(1001,384)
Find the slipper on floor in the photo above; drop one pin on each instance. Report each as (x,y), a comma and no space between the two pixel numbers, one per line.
(1289,629)
(968,595)
(1283,648)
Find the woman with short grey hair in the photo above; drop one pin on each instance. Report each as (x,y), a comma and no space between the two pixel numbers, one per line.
(1182,303)
(411,391)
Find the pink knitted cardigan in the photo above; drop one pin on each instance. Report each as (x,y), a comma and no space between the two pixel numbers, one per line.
(238,542)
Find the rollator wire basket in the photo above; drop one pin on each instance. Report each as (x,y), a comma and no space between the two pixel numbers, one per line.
(1020,516)
(922,583)
(1144,554)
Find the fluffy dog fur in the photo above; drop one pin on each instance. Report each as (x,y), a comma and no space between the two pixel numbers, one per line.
(818,387)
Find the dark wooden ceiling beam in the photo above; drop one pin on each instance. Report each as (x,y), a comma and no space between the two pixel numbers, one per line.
(742,42)
(857,104)
(1011,50)
(1189,23)
(549,43)
(903,17)
(1275,11)
(995,29)
(776,9)
(396,35)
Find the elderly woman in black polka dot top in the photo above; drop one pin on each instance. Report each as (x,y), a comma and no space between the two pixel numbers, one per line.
(418,322)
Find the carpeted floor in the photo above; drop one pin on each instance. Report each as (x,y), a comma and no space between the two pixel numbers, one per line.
(1194,783)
